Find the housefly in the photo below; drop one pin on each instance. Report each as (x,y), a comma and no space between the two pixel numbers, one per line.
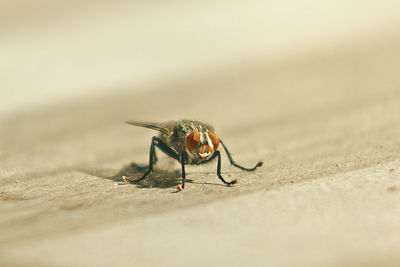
(188,142)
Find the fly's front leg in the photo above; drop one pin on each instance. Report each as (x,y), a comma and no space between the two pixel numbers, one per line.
(183,159)
(219,171)
(259,164)
(157,142)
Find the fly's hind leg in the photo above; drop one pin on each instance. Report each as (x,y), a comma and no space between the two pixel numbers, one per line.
(219,171)
(157,142)
(259,164)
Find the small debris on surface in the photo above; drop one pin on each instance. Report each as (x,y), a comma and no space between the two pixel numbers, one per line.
(393,188)
(124,182)
(178,189)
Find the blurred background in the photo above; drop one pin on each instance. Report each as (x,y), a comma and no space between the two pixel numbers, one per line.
(52,51)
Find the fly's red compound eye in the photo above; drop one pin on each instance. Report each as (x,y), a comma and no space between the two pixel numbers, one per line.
(192,140)
(214,139)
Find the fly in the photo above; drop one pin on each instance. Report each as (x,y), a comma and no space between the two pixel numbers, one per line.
(188,142)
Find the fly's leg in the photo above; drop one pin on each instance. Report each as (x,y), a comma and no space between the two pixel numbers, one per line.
(183,159)
(154,142)
(155,159)
(259,164)
(219,171)
(157,142)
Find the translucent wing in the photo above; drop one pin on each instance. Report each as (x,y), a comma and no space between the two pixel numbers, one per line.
(151,125)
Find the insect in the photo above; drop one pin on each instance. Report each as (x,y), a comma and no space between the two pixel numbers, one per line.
(189,142)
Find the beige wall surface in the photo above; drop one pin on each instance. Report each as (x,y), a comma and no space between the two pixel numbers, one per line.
(309,87)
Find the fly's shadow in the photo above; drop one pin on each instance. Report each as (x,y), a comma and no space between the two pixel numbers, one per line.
(159,178)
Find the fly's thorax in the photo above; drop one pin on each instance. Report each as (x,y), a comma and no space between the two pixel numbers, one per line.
(180,130)
(201,145)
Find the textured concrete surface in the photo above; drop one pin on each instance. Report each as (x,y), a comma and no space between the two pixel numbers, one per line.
(325,121)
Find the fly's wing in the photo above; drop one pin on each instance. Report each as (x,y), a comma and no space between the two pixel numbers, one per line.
(151,125)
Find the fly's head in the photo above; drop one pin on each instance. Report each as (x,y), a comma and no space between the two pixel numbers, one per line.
(201,145)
